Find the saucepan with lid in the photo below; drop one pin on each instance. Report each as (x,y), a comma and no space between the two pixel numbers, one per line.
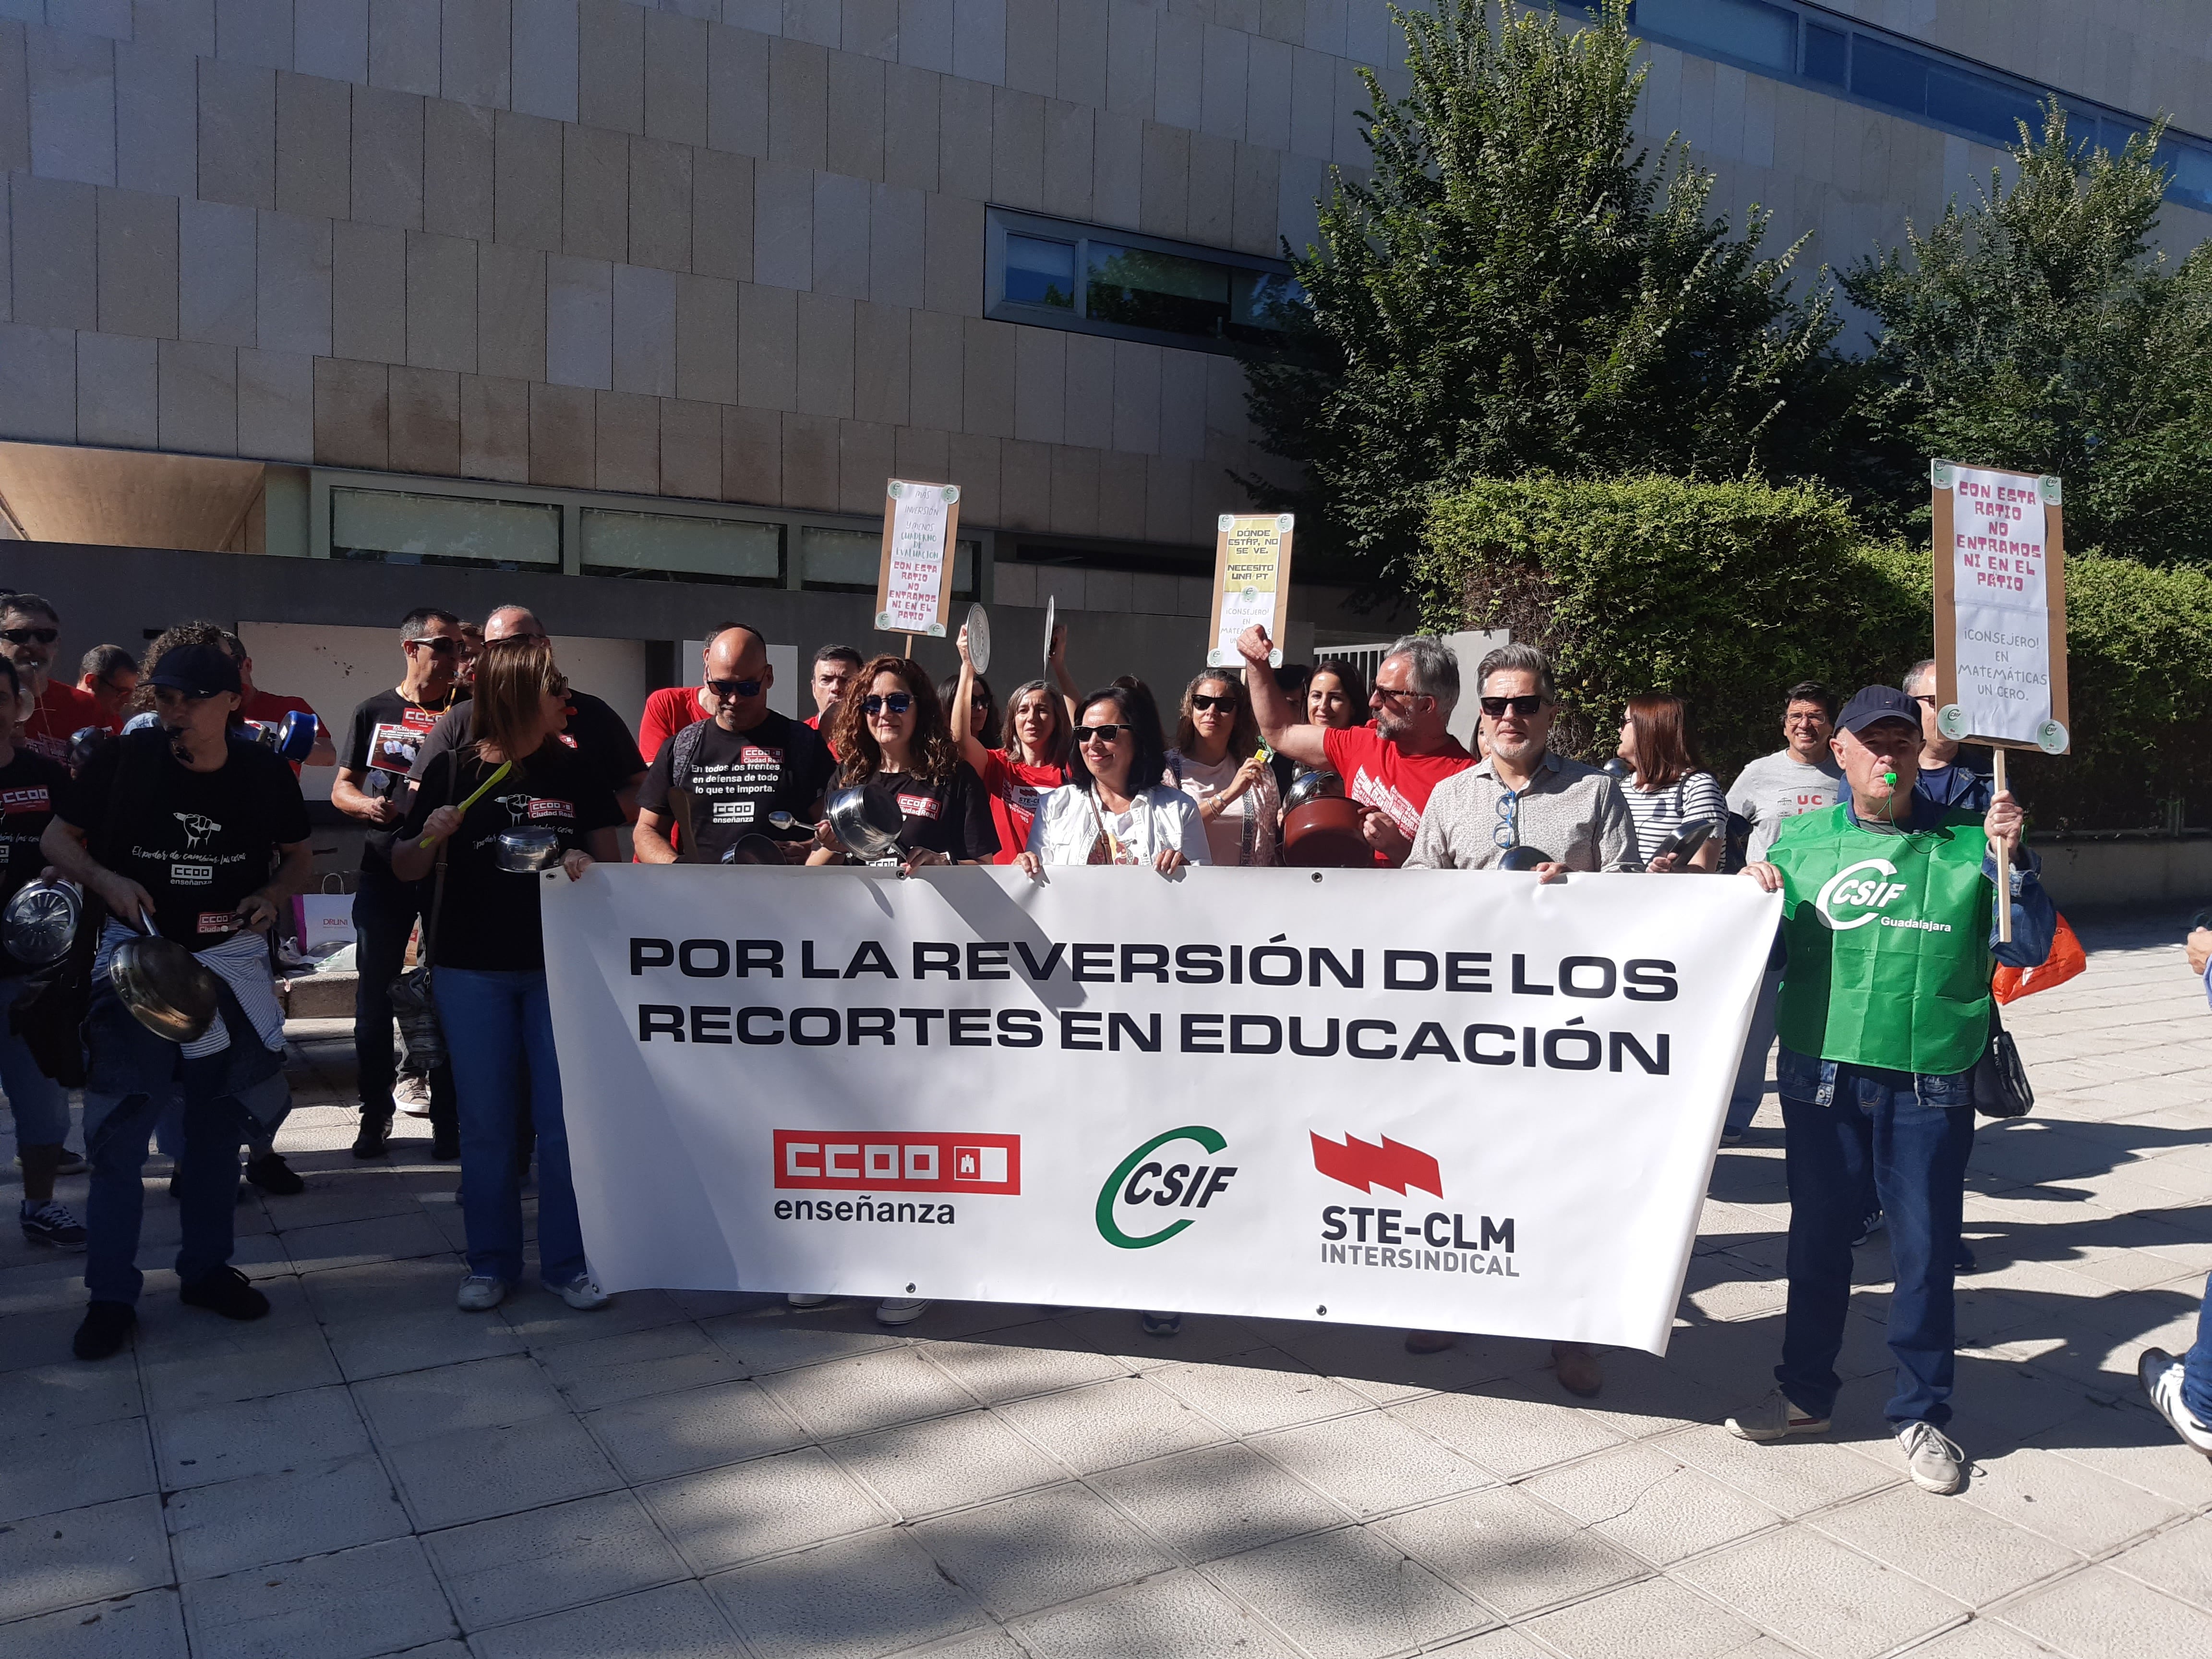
(866,820)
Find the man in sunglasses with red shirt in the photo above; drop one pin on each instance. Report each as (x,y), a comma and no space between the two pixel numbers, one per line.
(1390,766)
(730,775)
(28,628)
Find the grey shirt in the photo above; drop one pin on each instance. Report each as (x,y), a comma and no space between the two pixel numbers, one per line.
(1572,813)
(1777,787)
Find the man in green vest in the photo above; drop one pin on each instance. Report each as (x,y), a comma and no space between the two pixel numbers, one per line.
(1888,902)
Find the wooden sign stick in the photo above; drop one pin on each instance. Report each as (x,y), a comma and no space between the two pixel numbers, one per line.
(2004,857)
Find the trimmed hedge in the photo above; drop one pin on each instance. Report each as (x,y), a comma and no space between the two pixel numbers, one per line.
(1727,593)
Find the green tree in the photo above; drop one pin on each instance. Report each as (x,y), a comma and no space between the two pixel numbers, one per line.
(1521,285)
(2037,329)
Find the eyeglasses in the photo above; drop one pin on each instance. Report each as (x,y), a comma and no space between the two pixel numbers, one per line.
(436,645)
(25,635)
(1526,707)
(1805,719)
(1101,734)
(1395,692)
(896,702)
(735,688)
(1199,701)
(1926,701)
(169,697)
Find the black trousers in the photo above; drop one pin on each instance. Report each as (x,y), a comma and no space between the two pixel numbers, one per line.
(384,913)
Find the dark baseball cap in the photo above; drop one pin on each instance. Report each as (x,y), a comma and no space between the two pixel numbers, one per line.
(1876,704)
(197,670)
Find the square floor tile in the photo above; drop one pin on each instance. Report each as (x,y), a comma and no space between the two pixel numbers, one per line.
(546,1321)
(676,1621)
(1961,1549)
(356,1243)
(1821,1596)
(1653,1619)
(1022,1553)
(923,1467)
(70,1395)
(856,1598)
(48,1466)
(1372,1463)
(384,1289)
(1348,1593)
(1650,1504)
(774,1341)
(869,1391)
(697,1429)
(1124,1420)
(1791,1476)
(1017,1363)
(1175,1616)
(1512,1551)
(2067,1502)
(431,1337)
(484,1393)
(377,1600)
(82,1555)
(562,1556)
(471,1474)
(1510,1428)
(272,1361)
(764,1507)
(1265,1388)
(1217,1501)
(2098,1614)
(148,1625)
(2178,1561)
(258,1437)
(635,1364)
(281,1516)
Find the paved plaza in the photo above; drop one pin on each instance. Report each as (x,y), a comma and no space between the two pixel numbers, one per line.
(369,1472)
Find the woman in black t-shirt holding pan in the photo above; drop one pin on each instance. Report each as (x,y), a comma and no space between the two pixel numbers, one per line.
(489,957)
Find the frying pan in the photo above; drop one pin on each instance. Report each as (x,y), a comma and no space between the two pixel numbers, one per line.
(867,821)
(1688,836)
(1324,834)
(167,990)
(979,637)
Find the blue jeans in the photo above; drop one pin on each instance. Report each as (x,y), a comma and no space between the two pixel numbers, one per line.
(2196,1377)
(1917,1152)
(493,1022)
(1758,1043)
(40,1105)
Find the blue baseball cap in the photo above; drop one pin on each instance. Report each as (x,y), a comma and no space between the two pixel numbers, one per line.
(197,670)
(1875,704)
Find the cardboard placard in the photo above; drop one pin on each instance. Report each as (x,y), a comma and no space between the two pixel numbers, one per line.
(913,584)
(2000,571)
(1251,583)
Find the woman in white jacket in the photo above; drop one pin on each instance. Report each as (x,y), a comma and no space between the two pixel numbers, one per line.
(1117,809)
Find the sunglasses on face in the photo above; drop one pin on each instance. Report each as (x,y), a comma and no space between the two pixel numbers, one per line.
(438,645)
(734,688)
(1395,692)
(1526,707)
(896,703)
(1199,701)
(168,697)
(25,635)
(1102,734)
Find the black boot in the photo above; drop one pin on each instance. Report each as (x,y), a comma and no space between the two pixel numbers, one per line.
(375,1130)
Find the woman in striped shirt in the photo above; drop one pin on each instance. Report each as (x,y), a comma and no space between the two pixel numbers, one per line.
(1667,787)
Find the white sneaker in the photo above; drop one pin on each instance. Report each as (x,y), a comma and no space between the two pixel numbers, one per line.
(1775,1419)
(480,1293)
(582,1293)
(900,1310)
(411,1094)
(796,1300)
(2160,1375)
(1934,1458)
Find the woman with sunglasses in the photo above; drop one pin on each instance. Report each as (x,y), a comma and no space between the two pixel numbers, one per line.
(1666,786)
(487,952)
(1119,808)
(1219,762)
(1031,760)
(891,735)
(969,694)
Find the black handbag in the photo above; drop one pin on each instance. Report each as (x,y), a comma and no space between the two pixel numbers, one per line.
(412,1005)
(2000,1085)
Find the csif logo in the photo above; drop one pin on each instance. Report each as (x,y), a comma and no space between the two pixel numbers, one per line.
(1152,1178)
(1864,887)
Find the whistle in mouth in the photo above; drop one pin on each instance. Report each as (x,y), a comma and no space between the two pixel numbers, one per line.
(1890,778)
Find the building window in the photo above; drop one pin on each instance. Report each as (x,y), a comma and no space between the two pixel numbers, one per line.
(1060,274)
(847,561)
(672,548)
(400,528)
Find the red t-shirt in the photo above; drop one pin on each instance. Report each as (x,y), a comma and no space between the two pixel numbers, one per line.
(1017,790)
(667,712)
(270,707)
(1379,774)
(60,712)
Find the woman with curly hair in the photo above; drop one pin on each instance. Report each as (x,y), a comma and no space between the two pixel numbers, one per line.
(891,735)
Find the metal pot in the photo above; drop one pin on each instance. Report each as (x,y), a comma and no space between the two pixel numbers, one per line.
(526,851)
(167,988)
(1321,784)
(755,849)
(867,821)
(39,921)
(1325,834)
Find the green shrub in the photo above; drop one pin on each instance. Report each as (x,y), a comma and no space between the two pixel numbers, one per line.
(1727,593)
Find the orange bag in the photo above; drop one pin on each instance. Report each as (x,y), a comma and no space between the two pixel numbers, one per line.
(2067,958)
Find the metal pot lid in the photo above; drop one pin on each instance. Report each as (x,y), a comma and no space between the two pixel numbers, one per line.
(39,923)
(978,638)
(167,988)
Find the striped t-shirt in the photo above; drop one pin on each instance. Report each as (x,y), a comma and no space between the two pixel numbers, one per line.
(1657,812)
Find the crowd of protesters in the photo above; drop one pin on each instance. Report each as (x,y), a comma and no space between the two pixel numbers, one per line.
(481,765)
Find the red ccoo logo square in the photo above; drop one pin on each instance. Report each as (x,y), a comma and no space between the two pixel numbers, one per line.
(898,1160)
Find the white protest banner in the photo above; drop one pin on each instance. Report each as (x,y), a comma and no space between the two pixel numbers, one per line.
(913,586)
(1450,1100)
(2000,607)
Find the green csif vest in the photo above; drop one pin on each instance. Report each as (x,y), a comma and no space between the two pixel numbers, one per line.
(1888,941)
